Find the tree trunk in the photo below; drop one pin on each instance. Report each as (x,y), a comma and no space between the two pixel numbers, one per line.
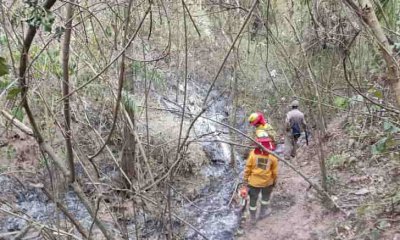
(128,154)
(372,21)
(65,89)
(128,158)
(322,164)
(369,17)
(234,115)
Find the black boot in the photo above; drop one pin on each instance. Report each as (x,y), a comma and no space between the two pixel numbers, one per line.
(263,212)
(253,218)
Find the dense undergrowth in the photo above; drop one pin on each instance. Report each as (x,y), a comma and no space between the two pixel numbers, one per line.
(362,158)
(364,175)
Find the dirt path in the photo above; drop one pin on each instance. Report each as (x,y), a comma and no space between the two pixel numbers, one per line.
(296,212)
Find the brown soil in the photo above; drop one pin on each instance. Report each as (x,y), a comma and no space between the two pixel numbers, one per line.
(17,150)
(296,213)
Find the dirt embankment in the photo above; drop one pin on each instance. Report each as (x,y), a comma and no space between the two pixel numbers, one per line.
(370,206)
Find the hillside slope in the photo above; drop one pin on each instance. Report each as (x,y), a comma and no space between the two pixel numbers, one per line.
(297,213)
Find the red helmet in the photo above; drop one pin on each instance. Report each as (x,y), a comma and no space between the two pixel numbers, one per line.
(256,119)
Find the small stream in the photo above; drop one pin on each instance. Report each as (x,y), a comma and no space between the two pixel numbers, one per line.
(213,217)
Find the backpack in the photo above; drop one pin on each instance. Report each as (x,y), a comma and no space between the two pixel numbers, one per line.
(296,131)
(267,143)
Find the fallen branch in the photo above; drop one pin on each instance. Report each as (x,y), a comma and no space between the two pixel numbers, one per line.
(226,142)
(39,225)
(22,233)
(6,235)
(17,123)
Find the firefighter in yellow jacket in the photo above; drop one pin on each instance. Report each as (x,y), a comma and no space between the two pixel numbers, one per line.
(260,175)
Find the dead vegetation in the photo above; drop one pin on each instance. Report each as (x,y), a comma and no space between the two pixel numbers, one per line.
(112,98)
(362,181)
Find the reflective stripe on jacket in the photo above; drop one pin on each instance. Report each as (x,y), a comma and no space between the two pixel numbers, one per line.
(261,170)
(266,130)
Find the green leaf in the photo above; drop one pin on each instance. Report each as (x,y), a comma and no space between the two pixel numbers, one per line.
(341,102)
(390,127)
(3,67)
(129,102)
(59,32)
(48,21)
(375,235)
(108,31)
(3,39)
(4,84)
(18,113)
(13,92)
(384,224)
(378,94)
(380,146)
(397,46)
(47,27)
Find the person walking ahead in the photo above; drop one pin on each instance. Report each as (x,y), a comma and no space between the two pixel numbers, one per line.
(294,125)
(263,129)
(260,175)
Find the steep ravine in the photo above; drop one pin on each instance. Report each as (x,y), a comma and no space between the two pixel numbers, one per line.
(209,212)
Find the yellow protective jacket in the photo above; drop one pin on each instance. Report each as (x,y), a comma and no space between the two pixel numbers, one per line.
(266,128)
(261,171)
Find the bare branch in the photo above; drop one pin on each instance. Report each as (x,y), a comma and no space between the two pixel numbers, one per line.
(112,61)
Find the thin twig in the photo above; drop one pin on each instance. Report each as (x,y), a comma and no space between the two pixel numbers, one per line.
(112,61)
(205,106)
(230,50)
(97,210)
(191,18)
(66,212)
(39,225)
(22,233)
(121,79)
(175,216)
